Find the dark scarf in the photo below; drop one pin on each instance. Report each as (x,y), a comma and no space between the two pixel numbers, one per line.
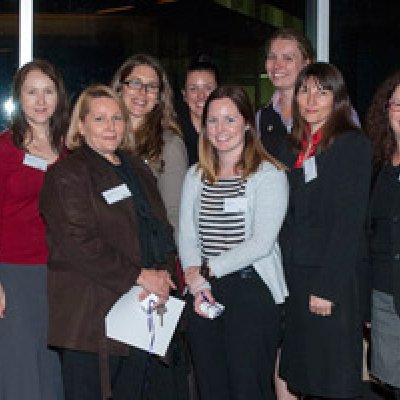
(155,238)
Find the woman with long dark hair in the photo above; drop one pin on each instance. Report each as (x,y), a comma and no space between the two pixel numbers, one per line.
(383,128)
(323,239)
(143,85)
(29,370)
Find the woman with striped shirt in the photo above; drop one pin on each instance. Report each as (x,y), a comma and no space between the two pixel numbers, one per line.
(233,204)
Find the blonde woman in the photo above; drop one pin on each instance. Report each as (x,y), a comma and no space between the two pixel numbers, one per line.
(107,231)
(233,204)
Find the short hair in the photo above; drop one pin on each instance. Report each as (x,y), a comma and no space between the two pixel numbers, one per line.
(148,137)
(303,43)
(253,153)
(82,108)
(58,121)
(202,62)
(339,121)
(378,127)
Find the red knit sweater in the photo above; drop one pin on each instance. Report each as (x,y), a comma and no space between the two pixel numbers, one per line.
(22,230)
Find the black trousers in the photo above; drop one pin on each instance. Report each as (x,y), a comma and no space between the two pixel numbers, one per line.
(135,377)
(234,355)
(332,398)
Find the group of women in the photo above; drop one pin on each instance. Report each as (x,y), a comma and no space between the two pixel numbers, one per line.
(277,226)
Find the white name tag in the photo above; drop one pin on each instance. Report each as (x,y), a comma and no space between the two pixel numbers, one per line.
(235,204)
(310,169)
(118,193)
(35,162)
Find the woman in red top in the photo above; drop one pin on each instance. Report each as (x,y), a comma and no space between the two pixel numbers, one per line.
(35,139)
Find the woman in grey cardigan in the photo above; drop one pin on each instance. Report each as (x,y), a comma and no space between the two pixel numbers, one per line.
(233,204)
(144,87)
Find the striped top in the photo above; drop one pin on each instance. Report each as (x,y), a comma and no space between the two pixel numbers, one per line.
(221,222)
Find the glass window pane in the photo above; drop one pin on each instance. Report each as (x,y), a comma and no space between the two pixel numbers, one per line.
(89,39)
(8,54)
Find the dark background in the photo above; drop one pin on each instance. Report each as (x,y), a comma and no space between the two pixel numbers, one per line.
(89,39)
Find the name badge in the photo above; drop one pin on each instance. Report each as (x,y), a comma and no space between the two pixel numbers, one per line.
(118,193)
(235,204)
(310,169)
(35,162)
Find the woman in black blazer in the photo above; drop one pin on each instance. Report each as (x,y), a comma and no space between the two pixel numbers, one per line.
(323,239)
(383,127)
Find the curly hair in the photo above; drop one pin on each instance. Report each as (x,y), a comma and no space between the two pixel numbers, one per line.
(377,121)
(21,130)
(148,136)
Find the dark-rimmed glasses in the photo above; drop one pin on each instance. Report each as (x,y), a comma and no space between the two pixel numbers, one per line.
(137,84)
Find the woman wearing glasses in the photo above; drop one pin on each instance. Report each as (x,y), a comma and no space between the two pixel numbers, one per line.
(144,87)
(383,127)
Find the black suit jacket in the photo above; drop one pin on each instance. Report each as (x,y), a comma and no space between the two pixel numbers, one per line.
(323,241)
(325,224)
(376,247)
(273,132)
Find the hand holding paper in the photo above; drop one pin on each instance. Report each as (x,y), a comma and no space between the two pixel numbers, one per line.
(127,322)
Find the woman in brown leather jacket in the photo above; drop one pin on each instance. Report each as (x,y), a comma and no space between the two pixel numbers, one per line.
(107,230)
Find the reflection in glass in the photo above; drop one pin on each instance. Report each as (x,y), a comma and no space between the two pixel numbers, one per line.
(87,40)
(8,54)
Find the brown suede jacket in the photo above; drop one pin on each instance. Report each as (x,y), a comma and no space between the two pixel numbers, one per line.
(94,248)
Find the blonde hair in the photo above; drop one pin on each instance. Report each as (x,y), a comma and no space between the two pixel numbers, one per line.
(303,43)
(82,108)
(148,136)
(253,153)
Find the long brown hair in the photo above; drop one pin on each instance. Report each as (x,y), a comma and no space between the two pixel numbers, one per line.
(58,121)
(339,121)
(253,152)
(148,136)
(377,122)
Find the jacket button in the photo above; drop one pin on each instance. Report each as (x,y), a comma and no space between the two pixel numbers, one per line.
(397,256)
(395,219)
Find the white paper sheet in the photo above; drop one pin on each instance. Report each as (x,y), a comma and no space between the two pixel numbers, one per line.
(127,322)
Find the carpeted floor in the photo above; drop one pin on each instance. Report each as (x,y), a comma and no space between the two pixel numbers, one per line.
(374,391)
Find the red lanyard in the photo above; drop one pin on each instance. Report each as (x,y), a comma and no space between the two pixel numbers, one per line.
(315,139)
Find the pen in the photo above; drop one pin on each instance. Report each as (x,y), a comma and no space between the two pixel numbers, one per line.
(204,297)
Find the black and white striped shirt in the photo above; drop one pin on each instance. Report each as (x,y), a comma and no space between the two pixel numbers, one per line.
(221,229)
